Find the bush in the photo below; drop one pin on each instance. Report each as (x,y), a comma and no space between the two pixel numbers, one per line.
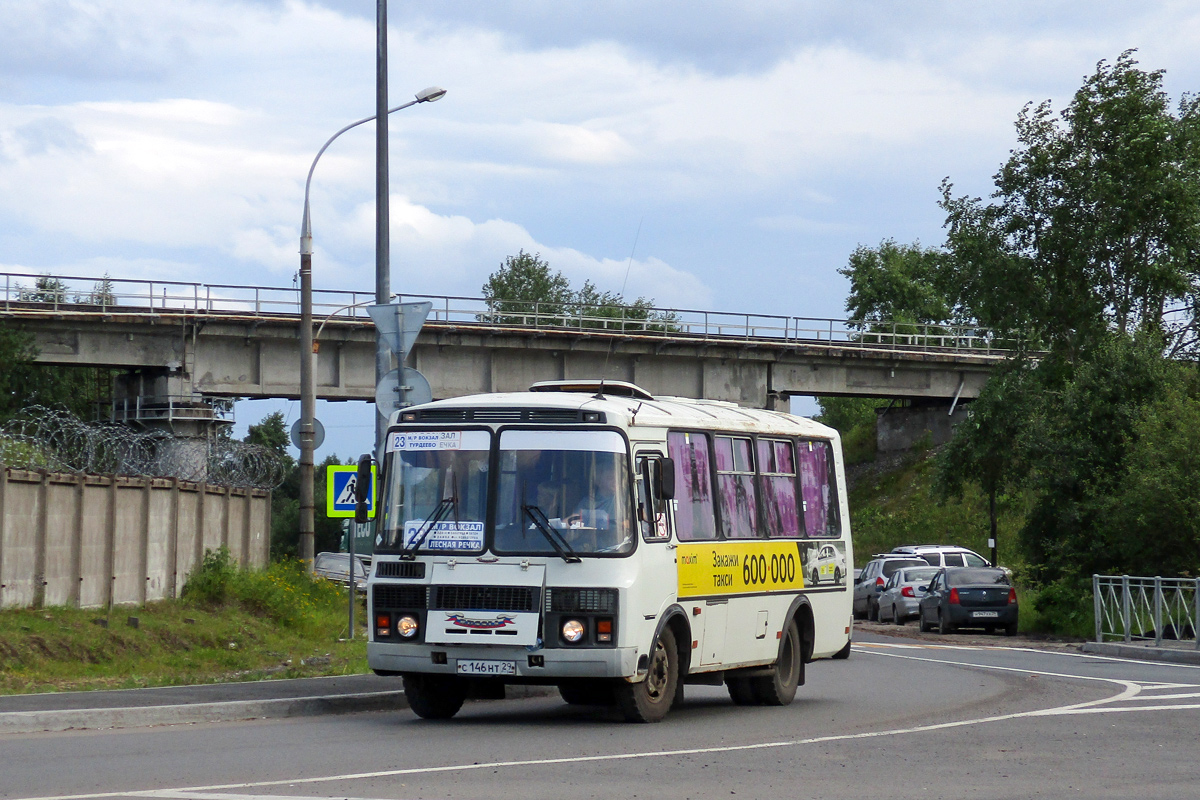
(284,593)
(209,584)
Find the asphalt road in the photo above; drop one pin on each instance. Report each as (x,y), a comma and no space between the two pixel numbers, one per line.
(901,718)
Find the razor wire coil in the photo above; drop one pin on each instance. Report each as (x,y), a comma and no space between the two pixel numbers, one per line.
(53,440)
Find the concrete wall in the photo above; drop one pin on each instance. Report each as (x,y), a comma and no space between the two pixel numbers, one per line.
(900,428)
(97,540)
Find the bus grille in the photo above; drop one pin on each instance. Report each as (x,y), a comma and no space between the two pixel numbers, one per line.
(400,569)
(485,598)
(575,601)
(402,597)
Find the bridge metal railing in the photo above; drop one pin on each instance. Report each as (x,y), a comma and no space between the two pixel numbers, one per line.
(61,293)
(1138,609)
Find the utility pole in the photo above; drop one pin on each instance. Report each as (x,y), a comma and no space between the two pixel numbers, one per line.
(383,277)
(308,403)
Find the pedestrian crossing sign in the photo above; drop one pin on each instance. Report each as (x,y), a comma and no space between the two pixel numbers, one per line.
(340,482)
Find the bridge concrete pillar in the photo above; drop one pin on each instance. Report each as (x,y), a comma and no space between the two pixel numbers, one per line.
(900,428)
(161,399)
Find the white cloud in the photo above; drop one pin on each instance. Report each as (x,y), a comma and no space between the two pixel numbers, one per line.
(179,134)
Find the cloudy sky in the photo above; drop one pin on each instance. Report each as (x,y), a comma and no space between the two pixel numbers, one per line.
(755,142)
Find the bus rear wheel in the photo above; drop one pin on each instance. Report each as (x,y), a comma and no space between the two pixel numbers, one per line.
(650,699)
(586,693)
(779,688)
(741,690)
(434,696)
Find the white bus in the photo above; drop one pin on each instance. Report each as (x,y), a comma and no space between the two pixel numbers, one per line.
(612,543)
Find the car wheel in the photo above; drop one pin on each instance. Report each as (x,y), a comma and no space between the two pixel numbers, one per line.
(896,618)
(434,696)
(816,577)
(943,623)
(650,699)
(873,611)
(921,621)
(837,575)
(1010,630)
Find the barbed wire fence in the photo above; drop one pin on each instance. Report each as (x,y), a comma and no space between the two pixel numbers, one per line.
(50,439)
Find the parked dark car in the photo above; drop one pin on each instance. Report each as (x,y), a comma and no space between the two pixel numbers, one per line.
(870,582)
(967,597)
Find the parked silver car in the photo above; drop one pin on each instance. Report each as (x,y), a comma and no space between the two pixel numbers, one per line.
(901,596)
(336,567)
(874,575)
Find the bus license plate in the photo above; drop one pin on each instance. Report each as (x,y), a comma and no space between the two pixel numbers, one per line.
(487,667)
(985,614)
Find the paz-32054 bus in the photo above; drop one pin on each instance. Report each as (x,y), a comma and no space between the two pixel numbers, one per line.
(612,543)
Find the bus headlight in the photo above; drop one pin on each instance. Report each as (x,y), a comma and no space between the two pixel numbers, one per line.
(572,630)
(406,626)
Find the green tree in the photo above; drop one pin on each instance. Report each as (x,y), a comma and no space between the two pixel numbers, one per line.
(896,283)
(524,289)
(271,433)
(24,383)
(1095,224)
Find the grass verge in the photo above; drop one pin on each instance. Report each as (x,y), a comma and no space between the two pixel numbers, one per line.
(230,625)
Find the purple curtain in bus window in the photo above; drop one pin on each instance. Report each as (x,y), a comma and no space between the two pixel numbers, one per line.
(779,488)
(814,487)
(694,518)
(739,511)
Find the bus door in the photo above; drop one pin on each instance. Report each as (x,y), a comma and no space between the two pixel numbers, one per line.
(656,580)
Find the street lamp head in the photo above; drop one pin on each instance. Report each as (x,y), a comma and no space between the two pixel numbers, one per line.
(432,94)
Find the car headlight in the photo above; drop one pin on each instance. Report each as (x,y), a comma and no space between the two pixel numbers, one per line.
(406,626)
(572,630)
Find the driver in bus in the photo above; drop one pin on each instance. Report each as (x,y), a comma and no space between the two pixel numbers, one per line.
(597,508)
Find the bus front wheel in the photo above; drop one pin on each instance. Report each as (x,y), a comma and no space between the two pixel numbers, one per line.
(434,696)
(650,699)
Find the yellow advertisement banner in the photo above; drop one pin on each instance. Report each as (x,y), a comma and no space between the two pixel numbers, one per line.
(739,567)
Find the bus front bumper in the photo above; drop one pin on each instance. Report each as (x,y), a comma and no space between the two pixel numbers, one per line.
(609,662)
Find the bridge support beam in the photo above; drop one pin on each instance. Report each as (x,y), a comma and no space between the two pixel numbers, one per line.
(162,399)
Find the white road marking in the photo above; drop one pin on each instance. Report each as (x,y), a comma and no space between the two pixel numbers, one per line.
(175,794)
(1129,691)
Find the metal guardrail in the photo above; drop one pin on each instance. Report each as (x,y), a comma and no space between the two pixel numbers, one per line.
(60,293)
(169,408)
(1133,609)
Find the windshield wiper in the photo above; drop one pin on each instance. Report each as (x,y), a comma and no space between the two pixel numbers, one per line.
(564,550)
(431,522)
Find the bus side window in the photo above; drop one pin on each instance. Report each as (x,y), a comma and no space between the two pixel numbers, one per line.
(695,515)
(652,504)
(818,490)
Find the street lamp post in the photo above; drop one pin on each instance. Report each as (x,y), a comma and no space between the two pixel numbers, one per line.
(308,388)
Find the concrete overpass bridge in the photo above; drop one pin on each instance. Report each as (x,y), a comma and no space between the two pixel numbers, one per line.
(182,346)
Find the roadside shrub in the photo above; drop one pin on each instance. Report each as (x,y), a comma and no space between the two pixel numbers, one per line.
(284,592)
(209,584)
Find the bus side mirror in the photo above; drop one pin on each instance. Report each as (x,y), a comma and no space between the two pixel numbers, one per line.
(362,489)
(666,478)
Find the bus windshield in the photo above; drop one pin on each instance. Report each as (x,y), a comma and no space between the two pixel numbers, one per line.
(574,482)
(435,498)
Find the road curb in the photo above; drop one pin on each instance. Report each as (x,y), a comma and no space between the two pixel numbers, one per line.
(48,721)
(190,713)
(1142,652)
